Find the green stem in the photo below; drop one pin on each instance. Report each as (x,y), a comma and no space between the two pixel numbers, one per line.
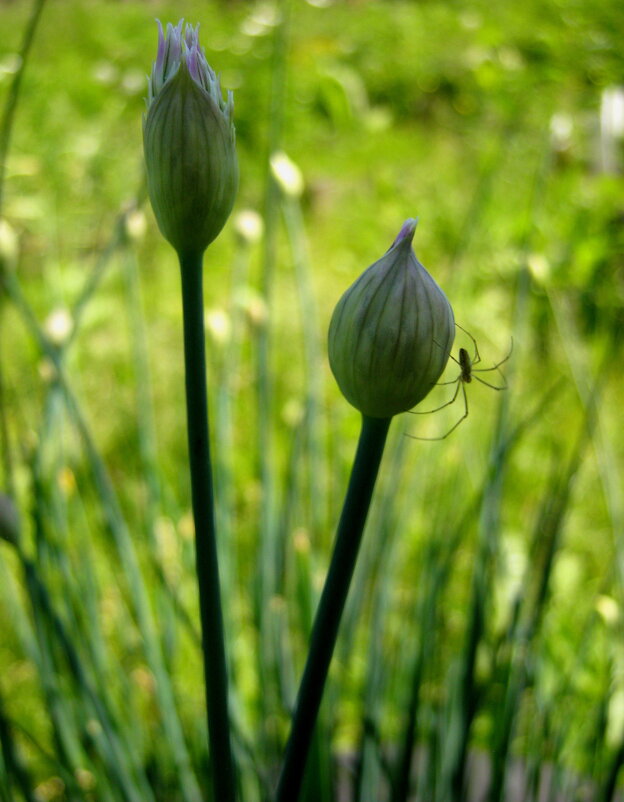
(213,640)
(325,630)
(6,127)
(12,97)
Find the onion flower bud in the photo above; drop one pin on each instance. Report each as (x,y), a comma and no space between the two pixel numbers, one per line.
(391,333)
(189,143)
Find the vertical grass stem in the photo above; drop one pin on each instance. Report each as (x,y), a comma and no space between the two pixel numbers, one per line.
(213,640)
(325,630)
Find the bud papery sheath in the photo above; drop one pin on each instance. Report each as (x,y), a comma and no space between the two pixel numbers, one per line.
(391,333)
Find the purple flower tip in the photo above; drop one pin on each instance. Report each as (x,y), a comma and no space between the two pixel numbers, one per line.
(406,234)
(178,48)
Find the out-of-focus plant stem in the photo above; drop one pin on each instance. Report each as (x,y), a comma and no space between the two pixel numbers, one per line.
(6,126)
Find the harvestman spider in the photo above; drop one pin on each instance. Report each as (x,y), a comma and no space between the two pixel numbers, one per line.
(466,375)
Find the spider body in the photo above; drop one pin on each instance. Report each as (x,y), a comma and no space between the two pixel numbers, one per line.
(465,363)
(467,368)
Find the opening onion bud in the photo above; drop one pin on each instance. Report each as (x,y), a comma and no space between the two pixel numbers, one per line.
(189,143)
(391,333)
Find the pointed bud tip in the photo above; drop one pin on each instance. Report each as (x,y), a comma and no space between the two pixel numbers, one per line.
(406,234)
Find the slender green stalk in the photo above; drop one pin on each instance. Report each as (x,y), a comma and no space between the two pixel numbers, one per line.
(6,127)
(267,582)
(312,351)
(213,639)
(10,106)
(325,631)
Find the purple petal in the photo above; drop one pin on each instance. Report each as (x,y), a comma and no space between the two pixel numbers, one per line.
(192,62)
(160,56)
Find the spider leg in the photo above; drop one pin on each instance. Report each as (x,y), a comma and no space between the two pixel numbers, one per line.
(447,404)
(477,356)
(450,355)
(497,365)
(452,429)
(492,386)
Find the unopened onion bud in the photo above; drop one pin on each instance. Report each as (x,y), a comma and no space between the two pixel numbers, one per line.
(189,143)
(391,333)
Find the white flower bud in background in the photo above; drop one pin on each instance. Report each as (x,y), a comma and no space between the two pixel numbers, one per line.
(391,333)
(8,246)
(288,176)
(218,325)
(135,224)
(58,326)
(249,226)
(611,128)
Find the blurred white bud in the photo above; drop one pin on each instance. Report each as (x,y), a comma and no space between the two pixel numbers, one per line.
(58,326)
(608,608)
(8,244)
(611,128)
(249,226)
(612,111)
(539,266)
(263,18)
(135,224)
(561,128)
(288,176)
(218,325)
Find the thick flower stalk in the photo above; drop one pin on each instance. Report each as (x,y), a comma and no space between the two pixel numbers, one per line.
(189,143)
(389,341)
(192,176)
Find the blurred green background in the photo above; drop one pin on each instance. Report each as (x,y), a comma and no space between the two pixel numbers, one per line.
(488,600)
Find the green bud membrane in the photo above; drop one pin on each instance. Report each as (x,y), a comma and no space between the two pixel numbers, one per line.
(189,143)
(391,333)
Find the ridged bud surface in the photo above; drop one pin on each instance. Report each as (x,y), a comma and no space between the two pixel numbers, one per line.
(189,143)
(391,333)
